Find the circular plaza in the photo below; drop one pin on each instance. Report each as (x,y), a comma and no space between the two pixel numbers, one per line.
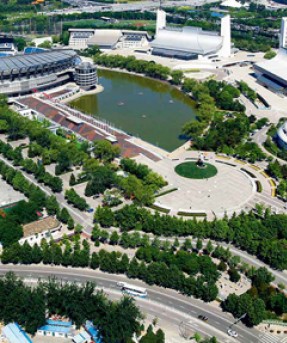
(222,188)
(227,186)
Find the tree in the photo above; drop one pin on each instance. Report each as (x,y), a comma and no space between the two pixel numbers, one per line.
(114,238)
(269,54)
(209,247)
(199,244)
(46,45)
(104,216)
(64,215)
(71,223)
(105,150)
(177,77)
(72,181)
(233,275)
(52,205)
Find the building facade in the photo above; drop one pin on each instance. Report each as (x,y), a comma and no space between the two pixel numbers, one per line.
(86,75)
(23,74)
(273,73)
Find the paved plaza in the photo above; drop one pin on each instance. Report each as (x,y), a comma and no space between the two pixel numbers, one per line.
(8,195)
(230,190)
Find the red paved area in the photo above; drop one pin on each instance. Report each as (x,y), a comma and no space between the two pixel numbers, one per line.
(58,93)
(87,131)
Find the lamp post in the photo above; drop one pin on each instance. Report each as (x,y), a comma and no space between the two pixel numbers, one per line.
(237,320)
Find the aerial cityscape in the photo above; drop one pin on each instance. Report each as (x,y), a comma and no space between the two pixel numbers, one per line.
(143,171)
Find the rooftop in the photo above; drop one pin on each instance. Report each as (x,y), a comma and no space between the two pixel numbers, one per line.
(15,334)
(105,37)
(276,67)
(7,64)
(189,39)
(48,223)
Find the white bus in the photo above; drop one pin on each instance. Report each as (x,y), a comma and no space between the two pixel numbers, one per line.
(132,290)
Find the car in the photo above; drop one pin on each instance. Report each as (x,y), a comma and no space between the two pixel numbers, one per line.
(90,210)
(204,318)
(232,333)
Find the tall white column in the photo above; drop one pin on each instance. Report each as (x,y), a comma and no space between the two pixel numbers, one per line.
(283,33)
(160,20)
(225,51)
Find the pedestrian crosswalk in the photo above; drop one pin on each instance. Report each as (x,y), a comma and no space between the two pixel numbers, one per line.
(269,338)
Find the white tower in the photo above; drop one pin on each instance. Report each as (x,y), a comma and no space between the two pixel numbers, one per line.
(160,20)
(225,51)
(283,33)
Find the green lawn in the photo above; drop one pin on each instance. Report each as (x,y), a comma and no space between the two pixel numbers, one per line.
(192,171)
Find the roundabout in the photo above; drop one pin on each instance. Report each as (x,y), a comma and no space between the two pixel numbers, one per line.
(192,170)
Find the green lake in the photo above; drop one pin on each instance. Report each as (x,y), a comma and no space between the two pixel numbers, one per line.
(145,108)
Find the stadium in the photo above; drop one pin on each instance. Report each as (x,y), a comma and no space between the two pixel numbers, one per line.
(23,74)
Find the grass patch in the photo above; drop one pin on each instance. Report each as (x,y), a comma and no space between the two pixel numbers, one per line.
(258,186)
(248,172)
(191,214)
(166,192)
(192,171)
(159,209)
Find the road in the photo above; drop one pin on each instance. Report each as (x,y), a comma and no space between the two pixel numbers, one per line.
(79,216)
(260,137)
(160,303)
(90,7)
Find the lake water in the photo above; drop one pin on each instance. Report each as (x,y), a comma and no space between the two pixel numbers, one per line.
(145,108)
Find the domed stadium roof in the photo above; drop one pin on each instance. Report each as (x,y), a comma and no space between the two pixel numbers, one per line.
(188,39)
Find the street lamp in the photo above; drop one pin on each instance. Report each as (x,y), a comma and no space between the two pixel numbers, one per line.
(237,320)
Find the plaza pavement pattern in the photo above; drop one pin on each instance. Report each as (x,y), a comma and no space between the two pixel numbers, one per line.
(231,190)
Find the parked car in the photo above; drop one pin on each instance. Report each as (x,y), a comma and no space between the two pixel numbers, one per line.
(90,210)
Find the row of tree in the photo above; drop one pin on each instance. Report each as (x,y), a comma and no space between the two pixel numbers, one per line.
(73,198)
(264,237)
(156,272)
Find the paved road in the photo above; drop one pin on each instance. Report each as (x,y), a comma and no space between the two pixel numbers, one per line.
(90,7)
(79,216)
(169,300)
(260,137)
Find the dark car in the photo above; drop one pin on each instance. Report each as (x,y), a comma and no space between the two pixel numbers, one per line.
(204,318)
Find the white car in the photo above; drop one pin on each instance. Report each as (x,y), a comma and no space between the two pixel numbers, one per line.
(232,333)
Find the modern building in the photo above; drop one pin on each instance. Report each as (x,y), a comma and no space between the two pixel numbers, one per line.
(23,74)
(86,75)
(273,73)
(231,4)
(7,46)
(107,39)
(191,42)
(78,39)
(57,328)
(281,136)
(15,334)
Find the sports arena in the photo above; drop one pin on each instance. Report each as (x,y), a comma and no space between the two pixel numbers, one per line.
(23,74)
